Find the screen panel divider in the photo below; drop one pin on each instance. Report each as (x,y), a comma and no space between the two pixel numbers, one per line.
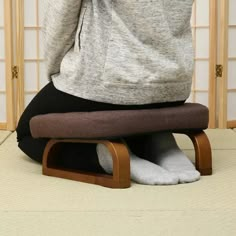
(20,57)
(231,60)
(10,125)
(212,63)
(224,13)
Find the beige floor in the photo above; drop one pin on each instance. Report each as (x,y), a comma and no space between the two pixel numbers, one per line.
(33,204)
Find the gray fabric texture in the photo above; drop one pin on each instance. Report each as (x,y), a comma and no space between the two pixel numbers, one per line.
(119,123)
(120,51)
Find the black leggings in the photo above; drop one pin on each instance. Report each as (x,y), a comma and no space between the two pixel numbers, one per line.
(51,100)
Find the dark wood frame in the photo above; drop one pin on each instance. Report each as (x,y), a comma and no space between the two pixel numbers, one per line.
(121,163)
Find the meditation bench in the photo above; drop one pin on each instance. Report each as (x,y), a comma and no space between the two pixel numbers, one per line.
(108,127)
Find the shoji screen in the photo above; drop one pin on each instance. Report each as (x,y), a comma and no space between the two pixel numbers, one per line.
(7,118)
(227,58)
(34,78)
(3,114)
(203,87)
(231,87)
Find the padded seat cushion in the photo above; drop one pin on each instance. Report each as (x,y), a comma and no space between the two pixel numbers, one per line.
(119,123)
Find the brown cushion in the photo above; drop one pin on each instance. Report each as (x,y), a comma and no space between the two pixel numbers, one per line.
(119,123)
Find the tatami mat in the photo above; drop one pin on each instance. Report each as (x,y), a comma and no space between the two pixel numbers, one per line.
(219,139)
(4,135)
(33,204)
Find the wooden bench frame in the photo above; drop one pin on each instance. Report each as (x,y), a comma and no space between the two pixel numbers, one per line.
(121,163)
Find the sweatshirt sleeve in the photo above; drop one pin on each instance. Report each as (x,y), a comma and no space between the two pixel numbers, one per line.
(59,28)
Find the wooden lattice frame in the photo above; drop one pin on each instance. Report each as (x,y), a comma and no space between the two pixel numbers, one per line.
(224,59)
(21,59)
(212,59)
(10,122)
(212,63)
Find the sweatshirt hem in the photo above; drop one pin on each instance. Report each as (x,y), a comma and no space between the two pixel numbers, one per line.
(115,94)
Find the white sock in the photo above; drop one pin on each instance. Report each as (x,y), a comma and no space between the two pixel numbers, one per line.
(142,171)
(166,153)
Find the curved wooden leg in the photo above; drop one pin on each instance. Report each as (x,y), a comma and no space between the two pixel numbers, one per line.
(203,155)
(121,164)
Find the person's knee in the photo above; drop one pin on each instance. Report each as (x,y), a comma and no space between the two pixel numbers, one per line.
(23,128)
(33,148)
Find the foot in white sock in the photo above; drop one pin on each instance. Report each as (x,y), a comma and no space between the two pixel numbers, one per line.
(166,153)
(142,171)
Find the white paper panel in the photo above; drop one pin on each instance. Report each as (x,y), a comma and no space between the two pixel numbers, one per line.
(202,75)
(232,10)
(2,76)
(30,44)
(232,41)
(2,66)
(3,116)
(193,86)
(192,17)
(30,12)
(41,45)
(231,112)
(43,80)
(190,98)
(231,106)
(41,8)
(1,13)
(202,43)
(2,44)
(30,76)
(202,12)
(232,74)
(202,98)
(43,77)
(28,98)
(31,83)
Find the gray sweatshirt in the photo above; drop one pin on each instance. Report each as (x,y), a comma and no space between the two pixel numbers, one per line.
(120,51)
